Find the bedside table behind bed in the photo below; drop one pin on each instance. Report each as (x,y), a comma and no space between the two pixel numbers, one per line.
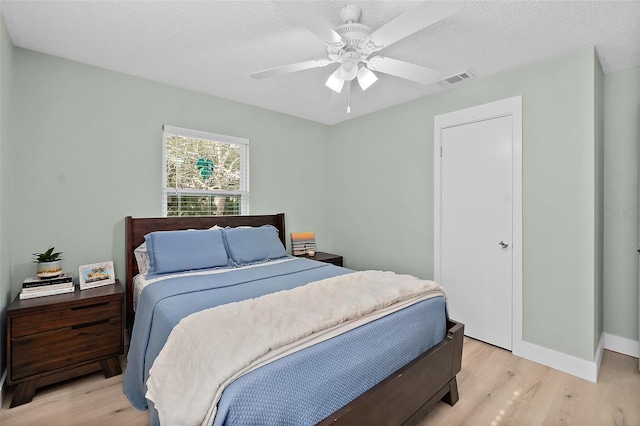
(321,256)
(55,338)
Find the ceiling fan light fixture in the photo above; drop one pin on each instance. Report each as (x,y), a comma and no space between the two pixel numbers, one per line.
(335,82)
(348,69)
(366,78)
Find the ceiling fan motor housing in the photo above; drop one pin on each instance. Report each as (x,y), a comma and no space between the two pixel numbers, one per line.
(354,35)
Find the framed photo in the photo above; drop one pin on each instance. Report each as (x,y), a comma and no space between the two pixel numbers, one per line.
(303,243)
(96,275)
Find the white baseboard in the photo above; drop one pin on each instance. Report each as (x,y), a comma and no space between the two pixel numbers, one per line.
(569,364)
(622,345)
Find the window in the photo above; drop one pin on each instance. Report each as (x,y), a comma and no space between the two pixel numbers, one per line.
(204,174)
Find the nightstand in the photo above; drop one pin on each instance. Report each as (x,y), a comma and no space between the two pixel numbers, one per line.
(55,338)
(327,258)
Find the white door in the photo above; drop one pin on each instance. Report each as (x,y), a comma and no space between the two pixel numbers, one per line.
(476,233)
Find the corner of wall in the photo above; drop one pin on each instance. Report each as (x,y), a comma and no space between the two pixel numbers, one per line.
(587,370)
(598,124)
(6,107)
(620,211)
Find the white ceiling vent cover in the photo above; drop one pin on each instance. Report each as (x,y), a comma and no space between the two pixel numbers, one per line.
(456,78)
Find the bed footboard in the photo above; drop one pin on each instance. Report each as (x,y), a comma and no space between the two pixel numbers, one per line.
(406,396)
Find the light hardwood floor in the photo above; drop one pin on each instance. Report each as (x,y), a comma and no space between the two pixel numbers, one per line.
(496,388)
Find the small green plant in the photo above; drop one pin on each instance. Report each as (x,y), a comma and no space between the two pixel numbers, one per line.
(47,256)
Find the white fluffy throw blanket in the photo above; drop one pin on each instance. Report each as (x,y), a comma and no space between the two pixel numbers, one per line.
(209,349)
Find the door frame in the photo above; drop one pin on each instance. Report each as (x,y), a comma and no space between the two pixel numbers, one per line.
(506,107)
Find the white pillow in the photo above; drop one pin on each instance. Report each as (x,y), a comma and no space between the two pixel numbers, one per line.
(142,258)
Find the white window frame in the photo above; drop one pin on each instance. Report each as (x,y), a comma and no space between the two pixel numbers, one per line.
(214,137)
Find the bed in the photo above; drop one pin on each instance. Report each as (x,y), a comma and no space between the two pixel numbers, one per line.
(401,396)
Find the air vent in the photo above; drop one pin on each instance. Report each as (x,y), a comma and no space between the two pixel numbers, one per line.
(456,78)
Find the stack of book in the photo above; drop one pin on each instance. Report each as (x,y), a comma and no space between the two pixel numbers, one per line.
(38,287)
(302,243)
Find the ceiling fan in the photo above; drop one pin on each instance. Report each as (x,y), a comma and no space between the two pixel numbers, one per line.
(352,43)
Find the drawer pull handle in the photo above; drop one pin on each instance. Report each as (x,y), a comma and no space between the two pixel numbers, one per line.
(89,324)
(95,305)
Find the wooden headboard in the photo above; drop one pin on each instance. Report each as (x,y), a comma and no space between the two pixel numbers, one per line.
(137,228)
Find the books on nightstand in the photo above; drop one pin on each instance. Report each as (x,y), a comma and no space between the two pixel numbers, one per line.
(38,287)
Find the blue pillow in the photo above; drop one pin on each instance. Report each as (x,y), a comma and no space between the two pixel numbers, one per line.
(253,245)
(176,251)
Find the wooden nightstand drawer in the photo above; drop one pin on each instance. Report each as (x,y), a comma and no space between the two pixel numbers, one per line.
(48,351)
(53,319)
(56,338)
(335,261)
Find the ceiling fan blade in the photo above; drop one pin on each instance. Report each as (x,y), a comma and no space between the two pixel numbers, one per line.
(414,20)
(403,69)
(300,11)
(286,69)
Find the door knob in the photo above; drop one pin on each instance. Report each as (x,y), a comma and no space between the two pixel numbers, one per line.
(503,245)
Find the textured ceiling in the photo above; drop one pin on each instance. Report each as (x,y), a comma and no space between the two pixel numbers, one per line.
(213,46)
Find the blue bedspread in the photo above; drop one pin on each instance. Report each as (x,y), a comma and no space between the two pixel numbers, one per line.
(301,388)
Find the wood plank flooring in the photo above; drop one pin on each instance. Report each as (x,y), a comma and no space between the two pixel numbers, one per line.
(496,388)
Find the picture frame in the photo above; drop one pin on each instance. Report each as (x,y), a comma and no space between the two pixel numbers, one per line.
(96,275)
(303,243)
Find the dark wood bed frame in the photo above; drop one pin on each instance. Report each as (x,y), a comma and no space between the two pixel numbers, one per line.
(403,398)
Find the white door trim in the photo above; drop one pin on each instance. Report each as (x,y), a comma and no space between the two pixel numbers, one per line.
(513,107)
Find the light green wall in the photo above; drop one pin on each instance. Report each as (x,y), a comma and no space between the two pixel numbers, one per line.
(598,137)
(6,81)
(382,200)
(598,128)
(620,300)
(88,149)
(91,137)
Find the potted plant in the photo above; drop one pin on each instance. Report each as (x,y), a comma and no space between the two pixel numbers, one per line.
(49,263)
